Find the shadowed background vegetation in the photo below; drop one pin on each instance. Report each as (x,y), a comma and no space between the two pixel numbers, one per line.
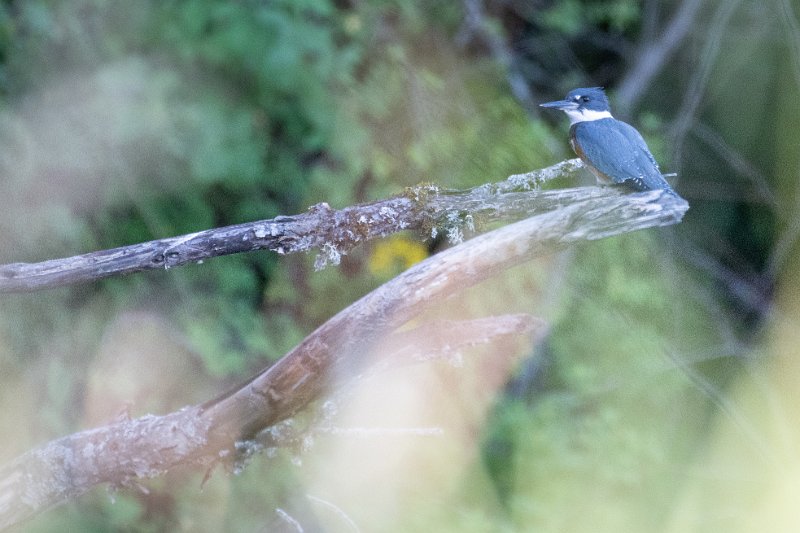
(662,397)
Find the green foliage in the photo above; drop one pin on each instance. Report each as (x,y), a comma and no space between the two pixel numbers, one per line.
(117,512)
(603,416)
(571,17)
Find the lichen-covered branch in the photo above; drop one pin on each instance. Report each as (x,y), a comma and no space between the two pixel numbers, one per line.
(128,450)
(332,232)
(117,454)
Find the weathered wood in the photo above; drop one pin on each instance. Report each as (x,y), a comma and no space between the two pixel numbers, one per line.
(300,376)
(333,232)
(123,452)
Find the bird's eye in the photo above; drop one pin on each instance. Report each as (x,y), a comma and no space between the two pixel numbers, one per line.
(584,99)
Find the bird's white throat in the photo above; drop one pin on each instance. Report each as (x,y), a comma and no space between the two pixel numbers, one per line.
(585,115)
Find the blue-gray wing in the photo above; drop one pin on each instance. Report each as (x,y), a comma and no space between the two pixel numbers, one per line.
(619,152)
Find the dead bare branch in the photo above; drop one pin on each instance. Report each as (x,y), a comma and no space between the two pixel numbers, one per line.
(123,452)
(333,232)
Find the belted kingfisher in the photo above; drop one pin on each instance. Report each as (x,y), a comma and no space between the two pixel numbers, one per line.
(613,150)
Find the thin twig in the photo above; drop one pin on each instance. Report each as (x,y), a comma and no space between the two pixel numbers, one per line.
(478,25)
(655,53)
(337,511)
(688,112)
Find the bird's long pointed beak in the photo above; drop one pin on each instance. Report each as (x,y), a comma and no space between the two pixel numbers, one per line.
(560,104)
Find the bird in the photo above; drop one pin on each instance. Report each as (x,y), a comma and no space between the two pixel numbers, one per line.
(614,151)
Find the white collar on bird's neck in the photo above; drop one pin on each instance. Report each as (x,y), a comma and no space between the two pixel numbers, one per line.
(585,115)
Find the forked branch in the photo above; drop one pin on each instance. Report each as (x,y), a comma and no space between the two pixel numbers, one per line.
(123,452)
